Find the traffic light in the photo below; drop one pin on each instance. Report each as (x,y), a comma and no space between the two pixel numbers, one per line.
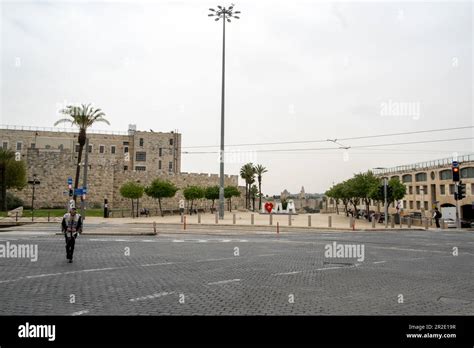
(461,191)
(455,168)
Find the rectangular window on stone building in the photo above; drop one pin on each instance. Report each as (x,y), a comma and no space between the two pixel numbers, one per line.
(125,149)
(418,190)
(5,145)
(140,156)
(451,189)
(101,149)
(18,145)
(418,205)
(472,190)
(140,168)
(141,142)
(410,190)
(160,152)
(159,164)
(170,166)
(90,148)
(442,189)
(171,141)
(33,146)
(77,147)
(112,149)
(404,204)
(425,203)
(125,167)
(411,204)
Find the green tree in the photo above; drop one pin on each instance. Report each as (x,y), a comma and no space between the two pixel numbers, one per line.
(83,116)
(132,190)
(12,175)
(229,192)
(247,172)
(159,189)
(395,191)
(398,190)
(260,170)
(363,186)
(253,194)
(191,193)
(212,193)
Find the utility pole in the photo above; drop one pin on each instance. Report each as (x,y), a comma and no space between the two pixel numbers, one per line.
(385,202)
(458,212)
(84,180)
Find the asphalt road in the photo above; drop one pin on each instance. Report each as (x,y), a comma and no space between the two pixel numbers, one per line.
(400,273)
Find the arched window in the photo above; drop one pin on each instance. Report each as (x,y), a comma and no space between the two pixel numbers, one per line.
(395,177)
(407,178)
(467,172)
(446,174)
(420,177)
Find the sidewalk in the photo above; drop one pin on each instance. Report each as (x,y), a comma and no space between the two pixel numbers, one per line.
(243,221)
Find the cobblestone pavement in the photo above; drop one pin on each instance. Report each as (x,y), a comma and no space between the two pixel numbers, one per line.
(404,272)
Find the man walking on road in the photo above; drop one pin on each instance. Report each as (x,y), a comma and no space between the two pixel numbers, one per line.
(71,226)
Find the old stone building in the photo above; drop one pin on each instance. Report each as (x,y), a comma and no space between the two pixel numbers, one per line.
(113,159)
(430,184)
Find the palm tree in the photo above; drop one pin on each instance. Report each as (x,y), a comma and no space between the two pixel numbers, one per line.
(5,157)
(83,116)
(259,170)
(247,172)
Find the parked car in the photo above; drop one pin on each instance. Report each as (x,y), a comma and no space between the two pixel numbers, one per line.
(450,223)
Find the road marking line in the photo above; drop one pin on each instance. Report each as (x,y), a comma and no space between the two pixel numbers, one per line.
(226,240)
(287,273)
(380,261)
(99,269)
(224,282)
(224,258)
(266,255)
(80,312)
(42,275)
(157,264)
(150,297)
(403,249)
(178,240)
(202,241)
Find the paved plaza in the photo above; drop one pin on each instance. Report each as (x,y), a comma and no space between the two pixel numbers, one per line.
(221,271)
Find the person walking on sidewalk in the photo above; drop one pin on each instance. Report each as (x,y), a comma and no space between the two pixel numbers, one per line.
(436,216)
(71,226)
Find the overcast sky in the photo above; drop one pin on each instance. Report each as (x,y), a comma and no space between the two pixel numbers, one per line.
(295,71)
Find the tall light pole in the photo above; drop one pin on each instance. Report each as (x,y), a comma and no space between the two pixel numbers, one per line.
(225,14)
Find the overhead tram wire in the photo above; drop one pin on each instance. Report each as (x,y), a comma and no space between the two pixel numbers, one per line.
(336,139)
(344,148)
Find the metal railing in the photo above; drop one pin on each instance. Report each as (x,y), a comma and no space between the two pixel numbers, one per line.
(425,165)
(60,129)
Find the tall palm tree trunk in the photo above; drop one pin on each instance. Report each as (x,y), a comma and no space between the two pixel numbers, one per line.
(82,142)
(259,193)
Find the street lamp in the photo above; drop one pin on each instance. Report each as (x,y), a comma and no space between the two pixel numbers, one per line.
(226,14)
(33,182)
